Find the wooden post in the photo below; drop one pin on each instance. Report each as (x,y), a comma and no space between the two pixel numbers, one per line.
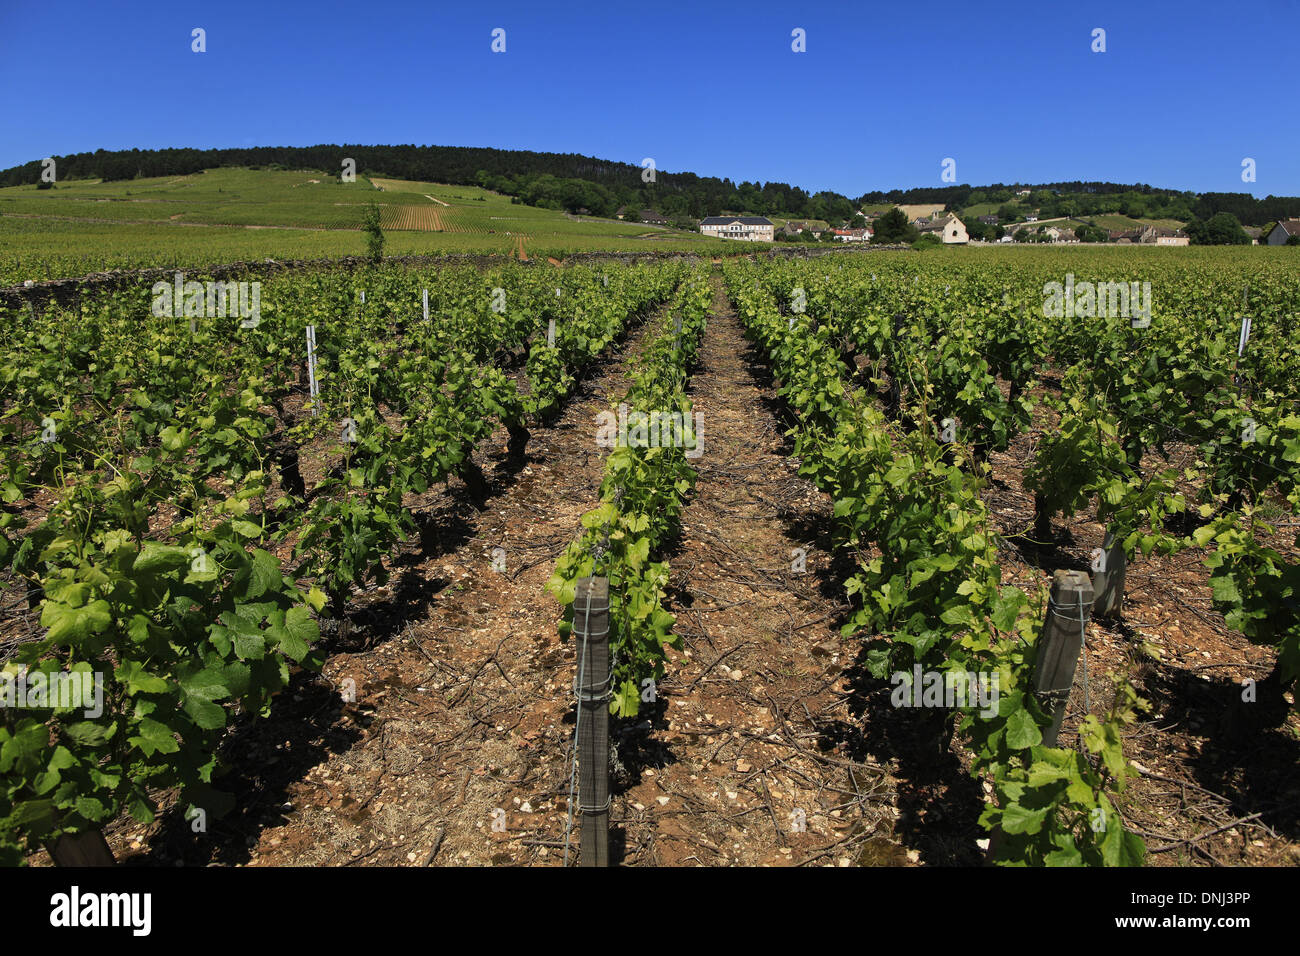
(591,630)
(1059,644)
(1108,572)
(81,849)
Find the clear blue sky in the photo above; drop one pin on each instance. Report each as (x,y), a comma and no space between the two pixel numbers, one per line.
(885,91)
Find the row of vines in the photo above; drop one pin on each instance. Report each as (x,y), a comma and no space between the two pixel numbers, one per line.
(182,512)
(904,377)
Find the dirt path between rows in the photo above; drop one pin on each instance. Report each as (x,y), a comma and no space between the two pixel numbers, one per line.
(742,766)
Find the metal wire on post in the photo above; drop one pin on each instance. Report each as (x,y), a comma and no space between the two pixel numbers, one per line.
(1083,654)
(1059,648)
(593,744)
(591,687)
(590,756)
(577,723)
(1057,657)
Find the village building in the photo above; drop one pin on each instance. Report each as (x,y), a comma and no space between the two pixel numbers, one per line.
(950,229)
(852,235)
(1153,235)
(1283,231)
(747,228)
(796,226)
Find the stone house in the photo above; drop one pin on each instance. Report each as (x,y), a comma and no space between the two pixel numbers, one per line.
(746,228)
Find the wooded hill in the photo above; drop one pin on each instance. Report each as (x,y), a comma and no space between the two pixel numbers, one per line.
(600,187)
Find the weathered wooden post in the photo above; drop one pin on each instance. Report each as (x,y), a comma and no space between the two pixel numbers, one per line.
(1059,643)
(1109,566)
(591,629)
(88,848)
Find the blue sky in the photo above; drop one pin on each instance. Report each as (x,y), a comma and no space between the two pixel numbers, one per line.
(884,93)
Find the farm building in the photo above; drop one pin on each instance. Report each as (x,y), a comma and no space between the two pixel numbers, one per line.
(950,229)
(1283,231)
(1164,237)
(852,235)
(749,228)
(796,226)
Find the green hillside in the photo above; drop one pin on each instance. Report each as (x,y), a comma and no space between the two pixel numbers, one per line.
(224,215)
(1127,222)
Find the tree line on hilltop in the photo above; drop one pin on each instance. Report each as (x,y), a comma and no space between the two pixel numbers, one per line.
(600,187)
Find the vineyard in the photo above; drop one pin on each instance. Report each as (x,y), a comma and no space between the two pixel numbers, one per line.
(420,218)
(231,215)
(307,568)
